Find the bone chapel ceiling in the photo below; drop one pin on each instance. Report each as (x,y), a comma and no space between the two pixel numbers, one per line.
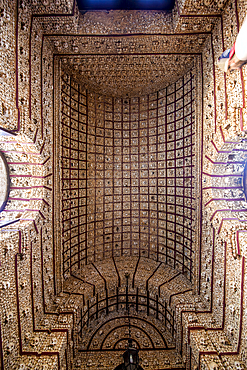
(124,149)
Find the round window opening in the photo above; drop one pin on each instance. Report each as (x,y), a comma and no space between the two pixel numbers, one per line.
(4,181)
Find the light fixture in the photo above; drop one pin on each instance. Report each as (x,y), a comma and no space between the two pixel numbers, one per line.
(131,358)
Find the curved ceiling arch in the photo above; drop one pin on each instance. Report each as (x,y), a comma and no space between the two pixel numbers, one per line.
(127,327)
(134,320)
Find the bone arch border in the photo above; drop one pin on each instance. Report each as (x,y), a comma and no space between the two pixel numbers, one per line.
(124,326)
(124,317)
(147,305)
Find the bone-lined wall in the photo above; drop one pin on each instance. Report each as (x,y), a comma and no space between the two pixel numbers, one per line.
(127,167)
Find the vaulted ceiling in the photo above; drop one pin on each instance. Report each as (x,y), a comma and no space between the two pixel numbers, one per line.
(110,113)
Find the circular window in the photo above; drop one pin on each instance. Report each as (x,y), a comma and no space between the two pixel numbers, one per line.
(4,181)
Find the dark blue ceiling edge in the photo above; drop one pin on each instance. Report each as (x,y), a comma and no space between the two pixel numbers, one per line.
(85,5)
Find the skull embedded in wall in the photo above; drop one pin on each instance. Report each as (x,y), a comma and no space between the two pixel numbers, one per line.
(78,362)
(232,309)
(223,340)
(190,318)
(178,361)
(166,361)
(220,3)
(239,365)
(23,284)
(35,341)
(5,285)
(212,366)
(22,367)
(27,336)
(10,346)
(145,363)
(25,311)
(203,341)
(230,329)
(89,363)
(53,342)
(184,26)
(9,317)
(207,2)
(63,319)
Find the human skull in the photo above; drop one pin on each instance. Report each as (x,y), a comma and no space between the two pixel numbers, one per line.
(233,285)
(203,341)
(78,363)
(232,308)
(46,2)
(63,319)
(238,365)
(6,285)
(223,340)
(46,322)
(9,316)
(95,343)
(25,311)
(10,346)
(230,329)
(184,26)
(27,336)
(145,362)
(23,284)
(35,341)
(220,3)
(22,367)
(89,363)
(212,366)
(53,341)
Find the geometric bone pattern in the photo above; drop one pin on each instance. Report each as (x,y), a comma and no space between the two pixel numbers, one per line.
(127,179)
